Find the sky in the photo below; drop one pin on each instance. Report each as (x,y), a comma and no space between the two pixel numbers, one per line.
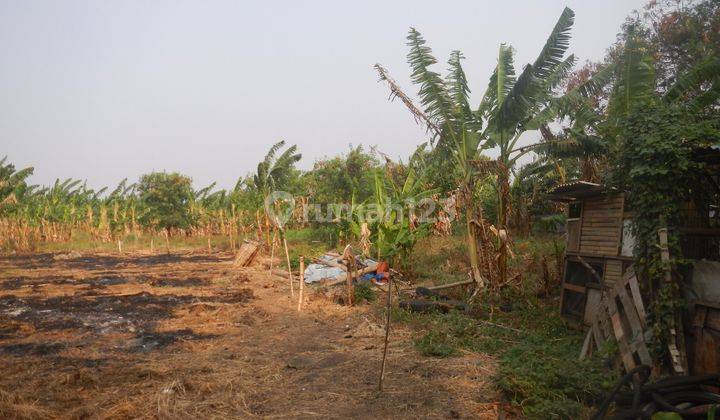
(106,90)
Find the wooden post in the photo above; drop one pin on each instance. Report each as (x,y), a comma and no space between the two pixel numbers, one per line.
(119,246)
(387,333)
(272,248)
(349,258)
(167,240)
(302,283)
(208,243)
(152,245)
(676,345)
(287,258)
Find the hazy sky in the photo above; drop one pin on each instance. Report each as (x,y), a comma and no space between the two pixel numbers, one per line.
(103,90)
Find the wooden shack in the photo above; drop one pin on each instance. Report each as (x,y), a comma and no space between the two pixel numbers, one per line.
(599,253)
(594,251)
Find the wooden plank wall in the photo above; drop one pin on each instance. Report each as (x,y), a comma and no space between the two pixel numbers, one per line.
(573,235)
(613,272)
(601,225)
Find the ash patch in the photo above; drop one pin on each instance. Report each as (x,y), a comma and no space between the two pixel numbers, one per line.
(101,314)
(153,340)
(12,284)
(105,314)
(28,260)
(18,282)
(103,262)
(106,281)
(9,330)
(34,349)
(190,282)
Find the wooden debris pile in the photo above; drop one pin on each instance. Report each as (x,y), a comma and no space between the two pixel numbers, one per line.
(620,315)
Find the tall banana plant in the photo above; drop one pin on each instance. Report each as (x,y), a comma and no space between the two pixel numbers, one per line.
(396,226)
(511,106)
(274,170)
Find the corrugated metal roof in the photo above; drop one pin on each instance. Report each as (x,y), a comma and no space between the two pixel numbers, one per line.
(576,189)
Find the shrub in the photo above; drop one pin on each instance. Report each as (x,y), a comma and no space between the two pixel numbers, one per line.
(364,293)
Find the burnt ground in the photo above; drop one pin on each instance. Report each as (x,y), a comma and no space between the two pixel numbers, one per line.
(189,335)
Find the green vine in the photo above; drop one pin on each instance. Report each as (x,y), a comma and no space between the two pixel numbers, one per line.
(654,165)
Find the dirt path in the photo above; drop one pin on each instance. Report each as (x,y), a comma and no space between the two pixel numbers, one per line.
(188,335)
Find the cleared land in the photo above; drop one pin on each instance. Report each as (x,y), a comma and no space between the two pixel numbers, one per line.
(188,334)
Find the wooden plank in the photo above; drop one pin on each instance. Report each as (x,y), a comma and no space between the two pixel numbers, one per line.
(602,219)
(712,320)
(599,237)
(637,298)
(700,315)
(597,336)
(574,288)
(630,311)
(607,212)
(613,270)
(246,254)
(596,251)
(599,233)
(587,344)
(625,353)
(592,303)
(597,244)
(605,323)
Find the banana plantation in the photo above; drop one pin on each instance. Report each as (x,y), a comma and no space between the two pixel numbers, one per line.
(549,249)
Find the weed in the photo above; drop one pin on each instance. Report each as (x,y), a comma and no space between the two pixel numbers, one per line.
(436,343)
(364,293)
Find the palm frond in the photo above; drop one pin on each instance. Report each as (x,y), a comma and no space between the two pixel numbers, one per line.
(556,45)
(396,92)
(532,84)
(501,81)
(693,80)
(635,79)
(433,93)
(458,86)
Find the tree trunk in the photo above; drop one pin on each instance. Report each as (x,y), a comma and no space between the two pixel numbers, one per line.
(503,188)
(473,248)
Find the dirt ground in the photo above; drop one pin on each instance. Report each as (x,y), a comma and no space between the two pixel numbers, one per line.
(189,335)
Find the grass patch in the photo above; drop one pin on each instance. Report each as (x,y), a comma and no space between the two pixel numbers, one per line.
(538,367)
(539,371)
(436,343)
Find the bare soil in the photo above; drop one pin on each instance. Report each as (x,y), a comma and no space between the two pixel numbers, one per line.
(189,335)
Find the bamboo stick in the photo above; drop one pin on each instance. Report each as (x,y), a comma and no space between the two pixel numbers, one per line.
(287,258)
(302,283)
(449,285)
(387,334)
(272,249)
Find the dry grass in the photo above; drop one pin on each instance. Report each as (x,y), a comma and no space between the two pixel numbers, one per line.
(188,336)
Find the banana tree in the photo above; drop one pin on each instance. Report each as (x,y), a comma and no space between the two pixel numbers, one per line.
(511,106)
(396,226)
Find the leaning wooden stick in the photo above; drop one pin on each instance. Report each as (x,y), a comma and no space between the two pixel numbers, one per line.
(287,258)
(302,281)
(272,249)
(387,333)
